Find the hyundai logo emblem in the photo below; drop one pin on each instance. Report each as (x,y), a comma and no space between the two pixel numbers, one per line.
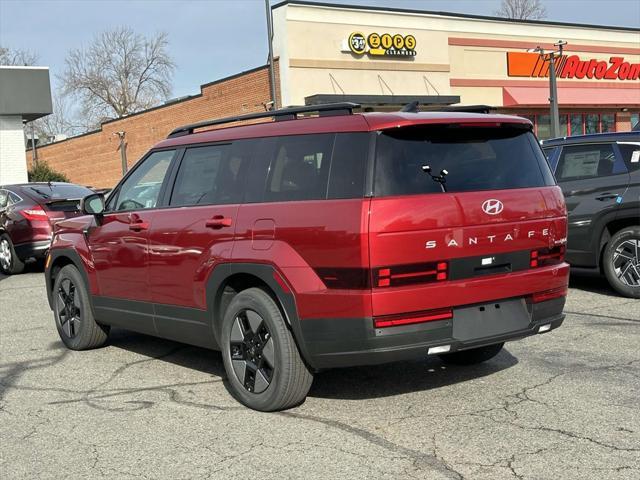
(492,206)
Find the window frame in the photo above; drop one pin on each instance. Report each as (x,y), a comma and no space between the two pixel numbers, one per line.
(567,115)
(160,203)
(614,149)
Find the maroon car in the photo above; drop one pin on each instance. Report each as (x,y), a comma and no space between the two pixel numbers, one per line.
(27,213)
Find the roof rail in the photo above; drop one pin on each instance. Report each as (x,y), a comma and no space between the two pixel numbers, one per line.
(328,109)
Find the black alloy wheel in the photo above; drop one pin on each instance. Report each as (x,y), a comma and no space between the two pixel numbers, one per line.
(72,312)
(68,308)
(252,352)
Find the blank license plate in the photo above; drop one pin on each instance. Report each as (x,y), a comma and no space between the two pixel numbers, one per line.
(490,319)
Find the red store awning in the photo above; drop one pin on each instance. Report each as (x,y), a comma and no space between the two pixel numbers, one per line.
(537,96)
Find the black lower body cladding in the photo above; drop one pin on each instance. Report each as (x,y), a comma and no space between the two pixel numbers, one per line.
(344,342)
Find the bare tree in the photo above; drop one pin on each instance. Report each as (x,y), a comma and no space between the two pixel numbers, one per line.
(61,122)
(120,73)
(522,10)
(17,57)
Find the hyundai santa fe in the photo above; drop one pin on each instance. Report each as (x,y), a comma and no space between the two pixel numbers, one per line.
(318,241)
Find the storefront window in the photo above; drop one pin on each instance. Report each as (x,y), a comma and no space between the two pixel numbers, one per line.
(635,119)
(544,127)
(591,123)
(608,122)
(564,131)
(576,124)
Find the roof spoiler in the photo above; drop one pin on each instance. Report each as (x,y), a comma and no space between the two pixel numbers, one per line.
(413,107)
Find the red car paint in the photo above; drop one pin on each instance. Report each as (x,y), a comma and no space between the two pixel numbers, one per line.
(169,255)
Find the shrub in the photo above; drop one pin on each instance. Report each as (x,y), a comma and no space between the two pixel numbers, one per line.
(42,172)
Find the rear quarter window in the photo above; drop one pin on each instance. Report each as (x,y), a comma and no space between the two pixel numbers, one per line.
(476,158)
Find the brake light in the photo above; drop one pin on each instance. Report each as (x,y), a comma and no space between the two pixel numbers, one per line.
(410,274)
(412,318)
(36,213)
(549,294)
(547,256)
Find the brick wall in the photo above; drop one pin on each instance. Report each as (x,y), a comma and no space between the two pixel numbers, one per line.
(94,158)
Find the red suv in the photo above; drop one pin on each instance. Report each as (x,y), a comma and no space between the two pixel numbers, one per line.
(334,240)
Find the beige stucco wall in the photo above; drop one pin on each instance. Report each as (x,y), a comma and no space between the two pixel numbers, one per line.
(309,41)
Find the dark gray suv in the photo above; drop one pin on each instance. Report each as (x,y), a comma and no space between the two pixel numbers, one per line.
(600,177)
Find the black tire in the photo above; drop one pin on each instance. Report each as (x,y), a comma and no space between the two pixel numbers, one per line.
(623,274)
(9,264)
(74,319)
(254,335)
(472,356)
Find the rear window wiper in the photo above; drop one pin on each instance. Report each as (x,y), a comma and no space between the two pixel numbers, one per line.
(41,193)
(441,179)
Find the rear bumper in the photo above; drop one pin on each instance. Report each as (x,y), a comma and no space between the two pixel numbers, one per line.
(349,342)
(32,249)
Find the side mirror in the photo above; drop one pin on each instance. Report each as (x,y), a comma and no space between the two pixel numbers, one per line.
(92,204)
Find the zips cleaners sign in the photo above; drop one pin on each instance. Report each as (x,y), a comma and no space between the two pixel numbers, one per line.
(526,64)
(381,45)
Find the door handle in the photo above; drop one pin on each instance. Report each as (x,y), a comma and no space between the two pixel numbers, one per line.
(607,196)
(139,226)
(218,221)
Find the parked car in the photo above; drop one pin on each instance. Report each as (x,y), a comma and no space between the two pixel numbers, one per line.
(27,213)
(310,243)
(600,177)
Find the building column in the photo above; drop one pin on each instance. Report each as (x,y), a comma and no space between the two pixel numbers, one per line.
(13,161)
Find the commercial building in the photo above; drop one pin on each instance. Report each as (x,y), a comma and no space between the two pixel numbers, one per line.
(25,95)
(385,57)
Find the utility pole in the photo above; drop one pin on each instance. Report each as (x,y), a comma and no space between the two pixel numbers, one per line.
(34,150)
(553,87)
(123,151)
(272,73)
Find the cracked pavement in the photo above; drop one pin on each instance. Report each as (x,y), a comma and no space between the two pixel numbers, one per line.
(559,405)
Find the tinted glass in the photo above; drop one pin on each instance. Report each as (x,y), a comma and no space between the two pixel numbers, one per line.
(576,124)
(544,127)
(209,175)
(608,122)
(47,192)
(476,159)
(348,165)
(631,154)
(260,151)
(142,188)
(13,198)
(300,168)
(4,198)
(587,161)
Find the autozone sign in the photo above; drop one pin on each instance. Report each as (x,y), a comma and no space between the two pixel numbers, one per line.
(526,64)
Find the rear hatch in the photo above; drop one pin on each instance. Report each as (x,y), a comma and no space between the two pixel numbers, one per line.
(459,213)
(59,200)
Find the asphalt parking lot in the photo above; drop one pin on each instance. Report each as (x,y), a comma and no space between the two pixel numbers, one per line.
(558,405)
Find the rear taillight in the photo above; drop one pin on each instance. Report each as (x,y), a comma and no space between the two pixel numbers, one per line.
(399,275)
(412,318)
(34,214)
(549,294)
(547,256)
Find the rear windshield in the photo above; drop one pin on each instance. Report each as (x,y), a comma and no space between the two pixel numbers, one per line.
(476,158)
(56,192)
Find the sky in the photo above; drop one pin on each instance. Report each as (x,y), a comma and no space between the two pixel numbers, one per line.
(210,39)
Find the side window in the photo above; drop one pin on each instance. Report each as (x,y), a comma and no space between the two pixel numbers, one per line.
(579,162)
(300,168)
(142,188)
(13,198)
(348,165)
(209,175)
(630,154)
(4,198)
